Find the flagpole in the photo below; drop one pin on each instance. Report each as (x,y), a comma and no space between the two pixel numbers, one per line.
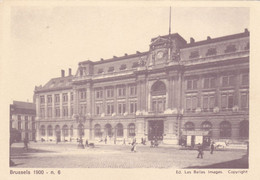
(169,51)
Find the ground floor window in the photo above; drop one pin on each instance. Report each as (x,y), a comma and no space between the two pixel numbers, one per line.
(49,130)
(42,130)
(225,129)
(119,130)
(244,129)
(108,130)
(65,130)
(97,130)
(131,129)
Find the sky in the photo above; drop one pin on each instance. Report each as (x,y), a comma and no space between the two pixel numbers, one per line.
(44,40)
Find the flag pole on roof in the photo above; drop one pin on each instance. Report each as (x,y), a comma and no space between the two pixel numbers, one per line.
(170,14)
(169,51)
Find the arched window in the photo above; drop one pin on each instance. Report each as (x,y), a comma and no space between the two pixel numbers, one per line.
(97,130)
(206,126)
(57,130)
(244,129)
(81,130)
(119,130)
(71,130)
(65,130)
(158,88)
(42,130)
(131,129)
(49,130)
(189,126)
(225,129)
(108,130)
(158,98)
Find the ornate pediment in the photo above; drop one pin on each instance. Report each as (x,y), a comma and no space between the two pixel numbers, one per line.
(159,42)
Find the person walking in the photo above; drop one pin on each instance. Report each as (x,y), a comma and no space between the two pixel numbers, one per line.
(25,142)
(200,149)
(212,148)
(133,149)
(86,145)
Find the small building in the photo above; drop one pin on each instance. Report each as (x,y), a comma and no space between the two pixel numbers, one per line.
(22,118)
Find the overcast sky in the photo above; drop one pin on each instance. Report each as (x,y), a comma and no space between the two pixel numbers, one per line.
(44,40)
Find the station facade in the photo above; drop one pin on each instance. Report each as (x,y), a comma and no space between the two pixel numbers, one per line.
(174,91)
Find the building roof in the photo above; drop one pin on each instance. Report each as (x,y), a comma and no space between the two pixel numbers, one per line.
(24,105)
(57,84)
(218,39)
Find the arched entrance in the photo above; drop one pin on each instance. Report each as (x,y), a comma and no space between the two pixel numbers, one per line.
(57,133)
(156,130)
(108,130)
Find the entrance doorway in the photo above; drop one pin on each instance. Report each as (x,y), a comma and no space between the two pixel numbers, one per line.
(156,130)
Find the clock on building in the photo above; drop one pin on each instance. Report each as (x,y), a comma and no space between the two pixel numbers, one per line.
(159,55)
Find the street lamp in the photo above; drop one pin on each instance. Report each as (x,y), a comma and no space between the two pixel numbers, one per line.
(80,120)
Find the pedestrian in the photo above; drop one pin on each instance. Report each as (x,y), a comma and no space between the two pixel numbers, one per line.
(25,142)
(86,143)
(106,140)
(152,144)
(212,148)
(200,149)
(133,149)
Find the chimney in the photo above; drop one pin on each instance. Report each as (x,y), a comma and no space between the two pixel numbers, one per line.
(208,38)
(62,73)
(137,52)
(69,71)
(192,40)
(126,54)
(246,31)
(101,59)
(114,57)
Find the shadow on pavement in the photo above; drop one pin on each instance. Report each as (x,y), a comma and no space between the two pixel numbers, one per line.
(241,163)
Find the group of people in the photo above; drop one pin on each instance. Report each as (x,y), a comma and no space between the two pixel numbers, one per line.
(201,148)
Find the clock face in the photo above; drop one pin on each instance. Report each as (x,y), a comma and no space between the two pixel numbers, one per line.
(159,55)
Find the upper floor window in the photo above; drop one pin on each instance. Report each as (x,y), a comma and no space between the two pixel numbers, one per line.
(211,52)
(123,67)
(228,80)
(121,91)
(194,54)
(133,90)
(49,112)
(192,84)
(82,94)
(42,99)
(208,102)
(110,108)
(230,48)
(65,111)
(57,112)
(100,71)
(245,79)
(133,107)
(42,112)
(110,93)
(244,100)
(191,103)
(57,98)
(111,69)
(49,98)
(121,108)
(71,96)
(227,101)
(99,93)
(247,46)
(65,97)
(135,65)
(98,109)
(209,82)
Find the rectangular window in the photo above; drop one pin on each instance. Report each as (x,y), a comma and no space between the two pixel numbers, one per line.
(211,52)
(26,125)
(188,104)
(205,102)
(57,98)
(189,84)
(65,111)
(99,94)
(71,96)
(110,93)
(49,98)
(97,109)
(49,111)
(83,94)
(57,112)
(65,97)
(209,83)
(224,101)
(194,54)
(230,101)
(121,91)
(211,102)
(42,99)
(124,108)
(19,125)
(133,90)
(244,101)
(245,79)
(228,81)
(192,84)
(119,108)
(71,110)
(33,126)
(225,81)
(42,112)
(194,103)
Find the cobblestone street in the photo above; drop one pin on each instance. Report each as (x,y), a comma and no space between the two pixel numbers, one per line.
(50,155)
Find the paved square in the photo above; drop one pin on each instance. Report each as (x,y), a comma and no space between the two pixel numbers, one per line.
(66,155)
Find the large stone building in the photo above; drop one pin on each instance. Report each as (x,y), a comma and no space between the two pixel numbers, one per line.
(22,118)
(177,91)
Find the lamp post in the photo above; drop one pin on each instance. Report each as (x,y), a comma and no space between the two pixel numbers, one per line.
(80,119)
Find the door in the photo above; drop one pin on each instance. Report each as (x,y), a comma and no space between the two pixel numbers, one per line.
(156,130)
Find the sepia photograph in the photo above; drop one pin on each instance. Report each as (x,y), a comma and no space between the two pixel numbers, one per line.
(110,86)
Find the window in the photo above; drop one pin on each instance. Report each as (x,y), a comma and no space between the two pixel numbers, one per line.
(244,129)
(194,54)
(57,98)
(49,111)
(111,69)
(244,100)
(131,129)
(209,82)
(191,103)
(82,109)
(100,71)
(133,90)
(49,130)
(65,111)
(245,79)
(98,109)
(99,94)
(42,99)
(206,126)
(225,129)
(121,91)
(57,112)
(19,117)
(49,98)
(158,105)
(110,109)
(133,107)
(42,130)
(247,46)
(65,97)
(208,102)
(42,112)
(135,65)
(211,52)
(71,110)
(97,130)
(122,67)
(65,130)
(119,130)
(33,125)
(110,93)
(71,96)
(71,130)
(228,80)
(192,84)
(19,125)
(121,108)
(82,94)
(230,48)
(189,126)
(227,101)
